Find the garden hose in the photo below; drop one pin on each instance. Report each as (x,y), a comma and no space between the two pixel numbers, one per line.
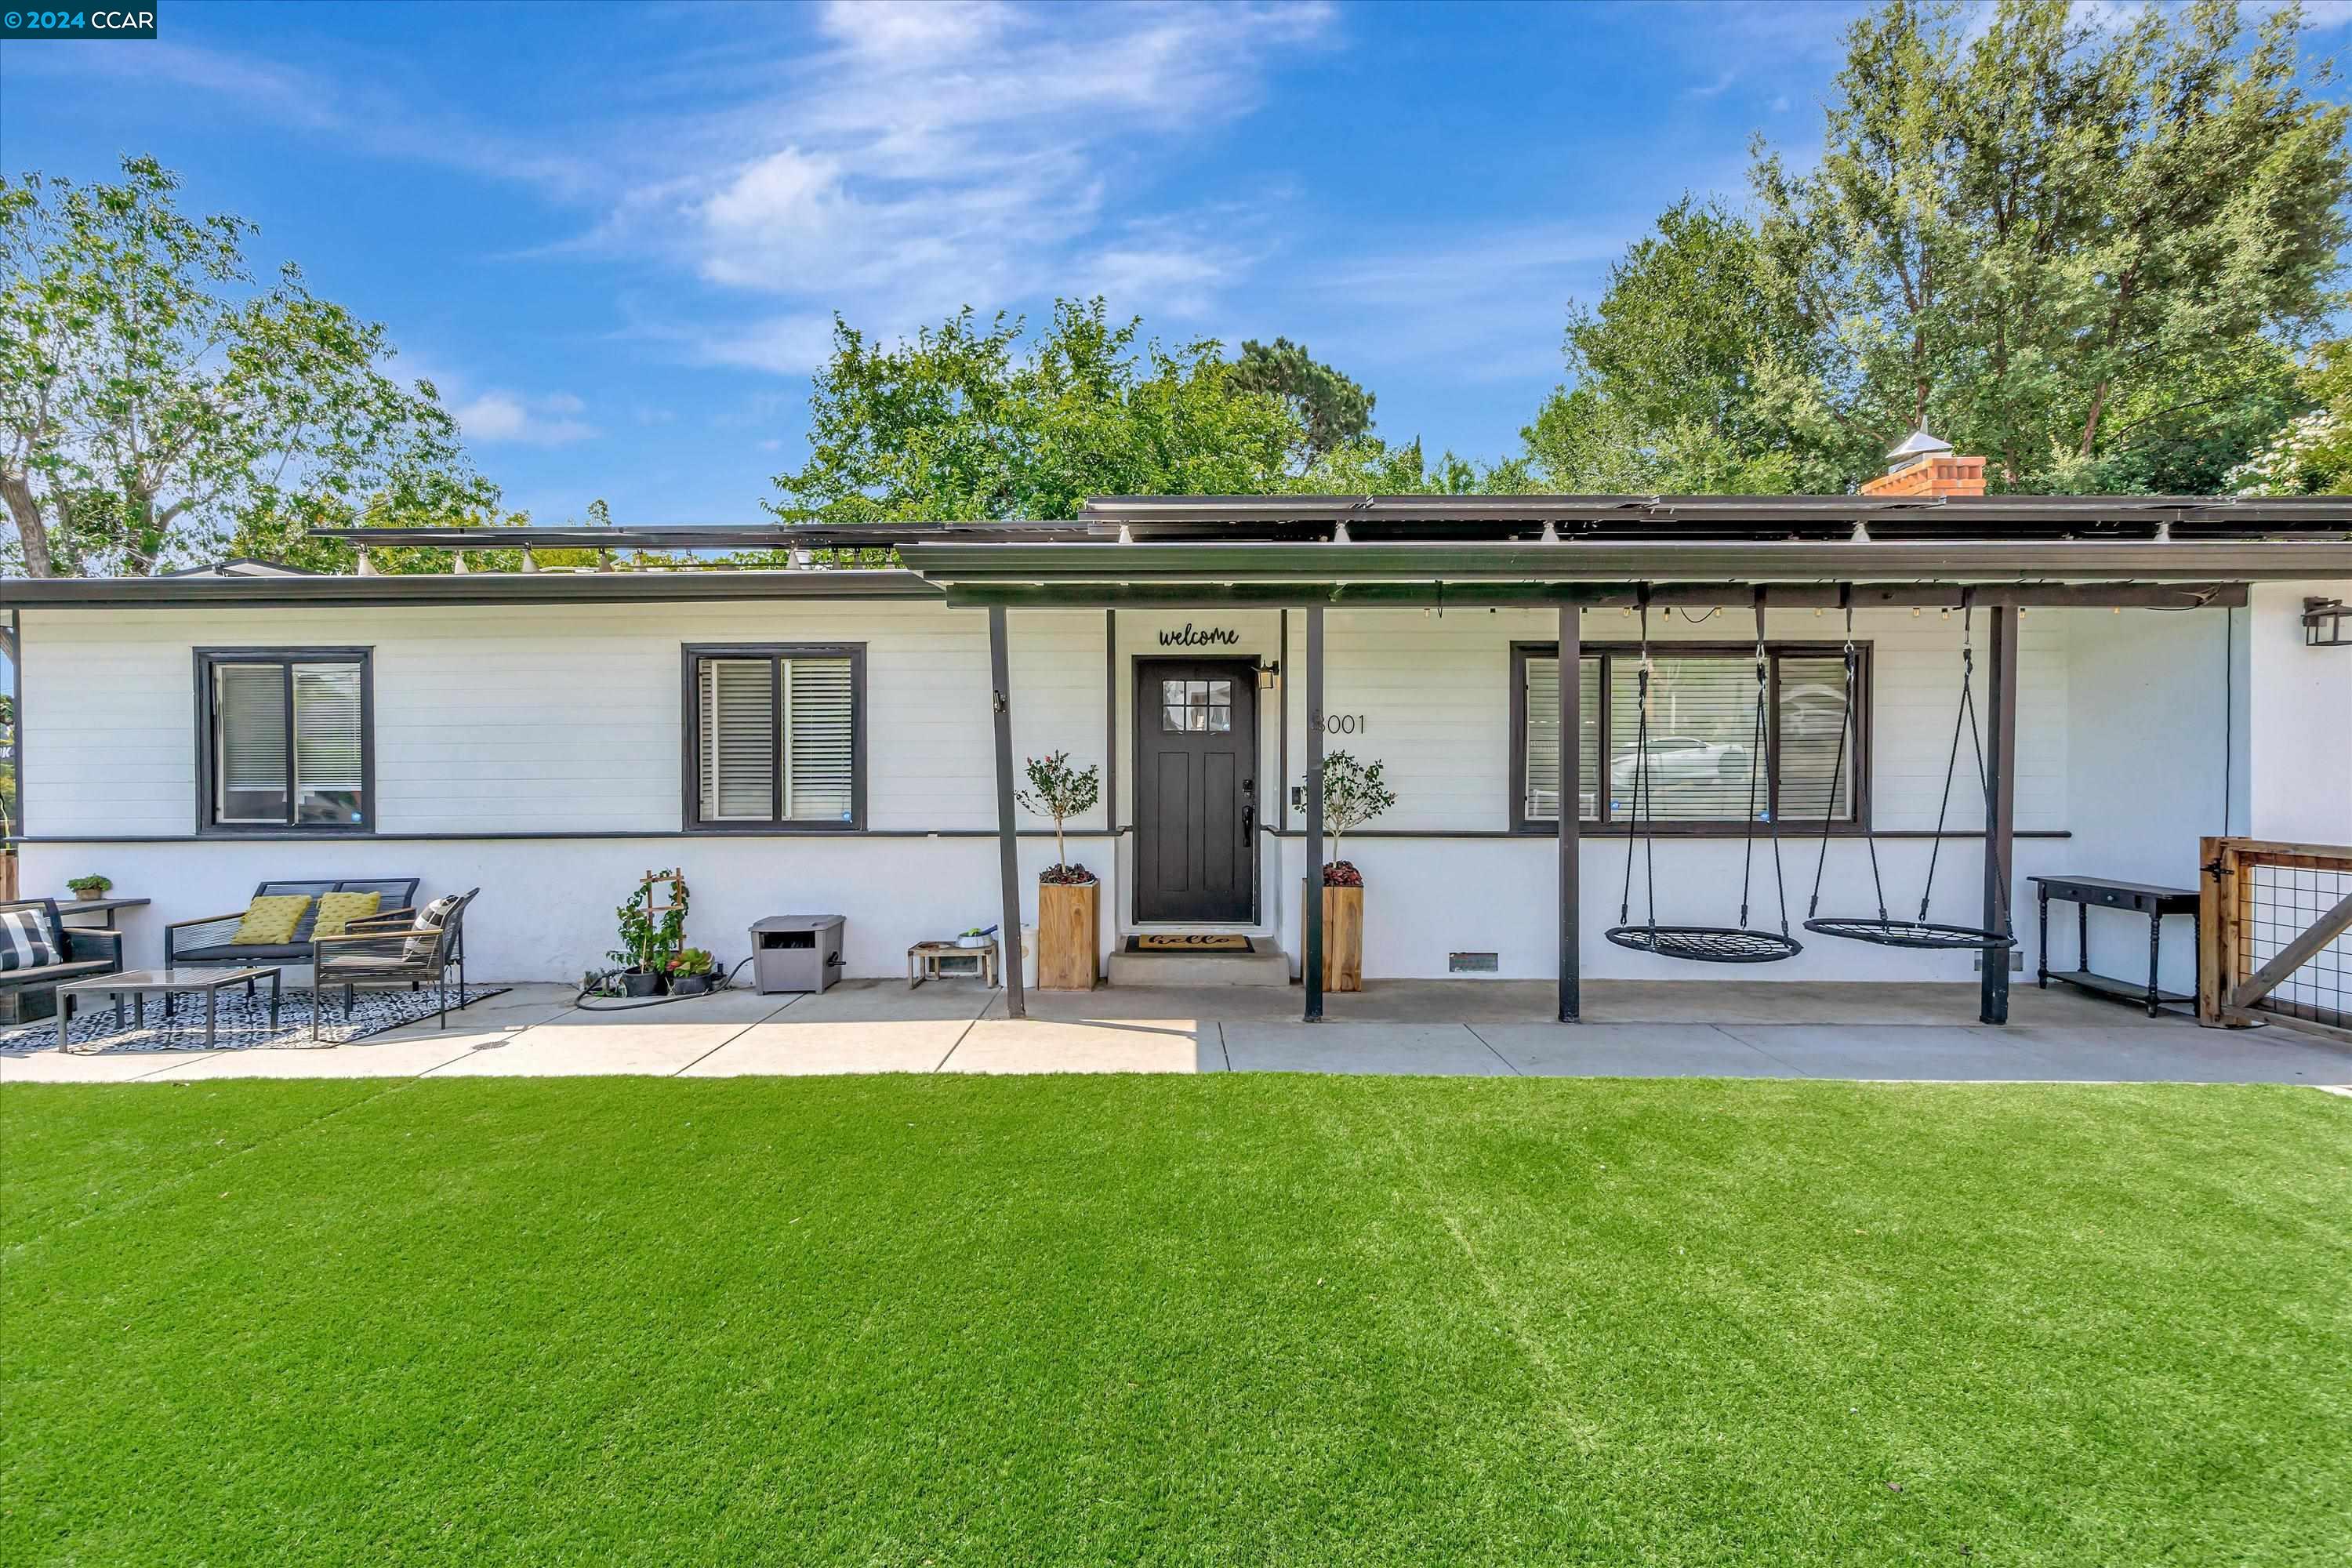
(589,985)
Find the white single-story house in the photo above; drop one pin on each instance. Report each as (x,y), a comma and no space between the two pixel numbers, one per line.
(848,740)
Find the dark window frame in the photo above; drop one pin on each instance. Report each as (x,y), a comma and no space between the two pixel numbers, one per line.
(1858,769)
(208,747)
(690,738)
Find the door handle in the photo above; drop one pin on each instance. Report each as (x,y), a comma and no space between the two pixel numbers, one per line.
(1249,809)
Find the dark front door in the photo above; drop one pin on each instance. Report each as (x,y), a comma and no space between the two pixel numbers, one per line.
(1195,789)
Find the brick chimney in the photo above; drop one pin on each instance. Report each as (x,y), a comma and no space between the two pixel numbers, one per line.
(1925,465)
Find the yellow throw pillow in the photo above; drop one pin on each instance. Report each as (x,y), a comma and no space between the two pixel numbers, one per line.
(338,911)
(271,919)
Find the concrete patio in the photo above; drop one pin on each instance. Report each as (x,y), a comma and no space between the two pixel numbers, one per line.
(1696,1028)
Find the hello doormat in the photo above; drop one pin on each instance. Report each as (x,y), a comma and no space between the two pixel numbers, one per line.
(1188,941)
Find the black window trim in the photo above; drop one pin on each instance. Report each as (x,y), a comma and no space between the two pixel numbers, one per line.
(1858,770)
(690,731)
(207,750)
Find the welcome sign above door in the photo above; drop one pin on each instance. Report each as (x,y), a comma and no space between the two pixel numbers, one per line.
(1201,637)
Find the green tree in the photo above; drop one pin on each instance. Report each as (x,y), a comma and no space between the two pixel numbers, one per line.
(153,395)
(2084,250)
(963,424)
(1334,410)
(2312,452)
(1691,375)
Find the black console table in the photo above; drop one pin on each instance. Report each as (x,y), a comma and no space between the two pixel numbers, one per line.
(2089,893)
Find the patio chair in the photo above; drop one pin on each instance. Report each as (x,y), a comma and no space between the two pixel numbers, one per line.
(391,949)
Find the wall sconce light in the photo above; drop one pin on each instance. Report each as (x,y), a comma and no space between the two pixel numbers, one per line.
(2326,623)
(1268,674)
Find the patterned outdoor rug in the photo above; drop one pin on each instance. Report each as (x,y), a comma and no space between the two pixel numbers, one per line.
(1188,941)
(243,1025)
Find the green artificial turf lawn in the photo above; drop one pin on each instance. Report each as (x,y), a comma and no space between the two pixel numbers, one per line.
(1243,1320)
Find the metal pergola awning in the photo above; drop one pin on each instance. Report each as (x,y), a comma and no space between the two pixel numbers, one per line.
(1797,573)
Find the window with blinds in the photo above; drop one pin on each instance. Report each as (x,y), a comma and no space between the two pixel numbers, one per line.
(1539,773)
(775,736)
(286,738)
(1699,765)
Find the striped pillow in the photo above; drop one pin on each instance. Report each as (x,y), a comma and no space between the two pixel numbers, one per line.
(25,941)
(429,919)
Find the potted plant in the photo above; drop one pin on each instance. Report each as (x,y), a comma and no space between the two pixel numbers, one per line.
(1353,793)
(90,887)
(652,932)
(690,971)
(1067,948)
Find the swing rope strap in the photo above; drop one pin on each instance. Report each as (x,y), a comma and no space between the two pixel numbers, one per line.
(1641,779)
(1964,717)
(1837,766)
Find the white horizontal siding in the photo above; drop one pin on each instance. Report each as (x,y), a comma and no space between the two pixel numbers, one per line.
(546,719)
(1435,692)
(541,719)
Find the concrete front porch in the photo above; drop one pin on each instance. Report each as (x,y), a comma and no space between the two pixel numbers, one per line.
(1690,1028)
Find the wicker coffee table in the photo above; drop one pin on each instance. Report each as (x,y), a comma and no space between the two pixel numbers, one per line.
(136,985)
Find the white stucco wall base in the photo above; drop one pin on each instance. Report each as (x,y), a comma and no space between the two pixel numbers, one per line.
(546,911)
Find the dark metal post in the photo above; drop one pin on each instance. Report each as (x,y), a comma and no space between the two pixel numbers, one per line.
(1571,813)
(1282,725)
(1313,959)
(2000,809)
(1110,734)
(1008,840)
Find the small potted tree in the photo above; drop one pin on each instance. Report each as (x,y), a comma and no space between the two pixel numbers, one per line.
(1067,948)
(1353,793)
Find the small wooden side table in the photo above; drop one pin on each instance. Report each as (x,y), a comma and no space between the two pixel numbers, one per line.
(950,961)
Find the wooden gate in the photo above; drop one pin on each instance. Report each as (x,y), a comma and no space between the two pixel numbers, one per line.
(2272,935)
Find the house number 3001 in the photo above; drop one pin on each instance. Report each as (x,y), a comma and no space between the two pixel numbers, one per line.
(1346,724)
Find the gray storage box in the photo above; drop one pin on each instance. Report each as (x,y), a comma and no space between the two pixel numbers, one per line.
(796,953)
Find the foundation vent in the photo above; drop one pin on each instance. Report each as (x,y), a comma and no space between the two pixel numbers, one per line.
(1473,963)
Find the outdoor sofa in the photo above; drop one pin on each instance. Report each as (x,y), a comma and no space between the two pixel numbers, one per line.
(205,940)
(87,951)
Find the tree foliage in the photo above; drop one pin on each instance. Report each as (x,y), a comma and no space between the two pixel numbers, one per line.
(2312,452)
(2085,249)
(153,395)
(1354,794)
(1061,792)
(1333,410)
(963,424)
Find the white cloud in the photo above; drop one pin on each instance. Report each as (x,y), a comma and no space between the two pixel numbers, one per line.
(503,416)
(921,157)
(781,345)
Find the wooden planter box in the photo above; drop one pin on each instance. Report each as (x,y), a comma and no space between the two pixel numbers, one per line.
(1343,939)
(1066,937)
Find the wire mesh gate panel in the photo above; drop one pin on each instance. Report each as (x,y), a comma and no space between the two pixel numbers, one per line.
(2276,935)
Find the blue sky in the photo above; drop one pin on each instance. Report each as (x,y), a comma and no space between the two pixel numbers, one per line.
(614,235)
